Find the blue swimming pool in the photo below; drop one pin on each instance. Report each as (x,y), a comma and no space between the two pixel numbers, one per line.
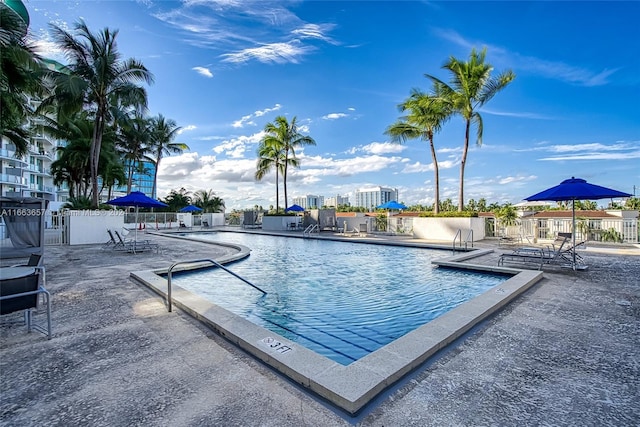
(340,299)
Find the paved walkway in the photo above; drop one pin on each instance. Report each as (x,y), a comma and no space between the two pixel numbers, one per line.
(565,353)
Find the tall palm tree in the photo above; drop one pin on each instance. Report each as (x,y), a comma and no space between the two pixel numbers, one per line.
(270,156)
(20,77)
(286,135)
(163,131)
(208,201)
(426,115)
(134,142)
(470,88)
(97,77)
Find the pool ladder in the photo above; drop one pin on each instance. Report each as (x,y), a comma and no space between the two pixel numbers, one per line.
(310,229)
(468,239)
(217,264)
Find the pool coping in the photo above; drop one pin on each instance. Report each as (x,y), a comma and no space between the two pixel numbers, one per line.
(349,387)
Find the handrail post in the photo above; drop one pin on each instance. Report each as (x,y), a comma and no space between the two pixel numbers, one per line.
(458,233)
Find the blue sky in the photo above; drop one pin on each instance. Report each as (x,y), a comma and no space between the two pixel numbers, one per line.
(225,68)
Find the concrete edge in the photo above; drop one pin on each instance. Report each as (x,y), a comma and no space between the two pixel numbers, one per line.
(349,387)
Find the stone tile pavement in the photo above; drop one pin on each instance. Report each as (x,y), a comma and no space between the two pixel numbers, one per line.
(567,352)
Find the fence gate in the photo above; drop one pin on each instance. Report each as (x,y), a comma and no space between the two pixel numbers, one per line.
(56,229)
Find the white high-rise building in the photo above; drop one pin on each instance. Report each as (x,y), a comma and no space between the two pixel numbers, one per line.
(30,175)
(309,201)
(369,198)
(334,202)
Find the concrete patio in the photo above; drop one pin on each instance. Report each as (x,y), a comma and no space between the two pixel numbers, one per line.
(564,353)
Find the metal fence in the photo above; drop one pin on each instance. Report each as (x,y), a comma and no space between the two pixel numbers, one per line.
(622,230)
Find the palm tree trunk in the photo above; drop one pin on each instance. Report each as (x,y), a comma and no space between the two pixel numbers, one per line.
(277,191)
(463,162)
(155,176)
(94,157)
(284,181)
(436,204)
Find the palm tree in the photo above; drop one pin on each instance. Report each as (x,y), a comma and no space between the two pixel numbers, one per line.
(208,201)
(97,77)
(286,134)
(177,199)
(163,131)
(20,77)
(471,87)
(426,116)
(271,155)
(134,141)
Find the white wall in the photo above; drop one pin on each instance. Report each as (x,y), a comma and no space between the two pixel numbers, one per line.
(446,228)
(90,226)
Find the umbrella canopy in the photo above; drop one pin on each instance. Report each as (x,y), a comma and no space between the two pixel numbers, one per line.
(191,208)
(391,205)
(576,189)
(294,208)
(139,200)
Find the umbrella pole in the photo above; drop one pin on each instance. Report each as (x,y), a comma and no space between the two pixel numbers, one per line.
(573,234)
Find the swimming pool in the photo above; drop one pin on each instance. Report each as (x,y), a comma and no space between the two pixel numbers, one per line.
(342,300)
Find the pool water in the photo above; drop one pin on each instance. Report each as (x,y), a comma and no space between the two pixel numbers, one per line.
(340,299)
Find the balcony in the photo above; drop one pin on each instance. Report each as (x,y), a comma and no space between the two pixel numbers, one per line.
(41,188)
(36,170)
(15,180)
(10,155)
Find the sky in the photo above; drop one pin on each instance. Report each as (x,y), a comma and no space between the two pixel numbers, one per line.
(223,69)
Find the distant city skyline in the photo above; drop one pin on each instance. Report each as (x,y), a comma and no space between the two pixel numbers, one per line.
(225,69)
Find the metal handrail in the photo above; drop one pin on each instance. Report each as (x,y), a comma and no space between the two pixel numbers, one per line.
(469,234)
(310,229)
(217,264)
(458,233)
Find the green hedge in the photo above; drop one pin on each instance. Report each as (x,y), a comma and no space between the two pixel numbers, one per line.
(456,214)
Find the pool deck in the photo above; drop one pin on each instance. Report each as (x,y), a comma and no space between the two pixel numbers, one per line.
(566,352)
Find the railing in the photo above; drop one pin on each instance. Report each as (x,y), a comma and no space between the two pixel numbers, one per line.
(217,264)
(458,235)
(469,235)
(310,229)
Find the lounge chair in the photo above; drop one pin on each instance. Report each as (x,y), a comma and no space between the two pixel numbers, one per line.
(536,256)
(136,246)
(205,224)
(19,291)
(35,260)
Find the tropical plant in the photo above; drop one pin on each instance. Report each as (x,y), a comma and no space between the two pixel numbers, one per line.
(426,115)
(208,201)
(632,203)
(78,203)
(20,77)
(470,88)
(270,156)
(611,235)
(134,142)
(98,77)
(286,135)
(177,199)
(163,131)
(508,215)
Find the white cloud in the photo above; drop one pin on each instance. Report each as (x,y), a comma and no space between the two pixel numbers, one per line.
(277,53)
(383,148)
(186,129)
(261,113)
(314,31)
(246,120)
(203,71)
(334,116)
(594,156)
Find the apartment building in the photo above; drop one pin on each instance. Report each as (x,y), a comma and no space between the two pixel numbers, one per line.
(369,198)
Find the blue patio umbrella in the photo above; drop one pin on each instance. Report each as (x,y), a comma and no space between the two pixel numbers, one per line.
(391,205)
(294,208)
(576,189)
(139,200)
(191,208)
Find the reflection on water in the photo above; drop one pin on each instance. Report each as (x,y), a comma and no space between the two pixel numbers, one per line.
(340,299)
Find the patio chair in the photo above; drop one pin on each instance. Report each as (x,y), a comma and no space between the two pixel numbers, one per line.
(111,243)
(205,223)
(136,246)
(20,293)
(34,261)
(535,256)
